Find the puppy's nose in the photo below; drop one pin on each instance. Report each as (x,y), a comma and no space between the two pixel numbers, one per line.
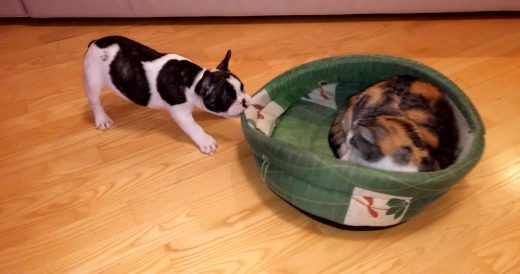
(245,103)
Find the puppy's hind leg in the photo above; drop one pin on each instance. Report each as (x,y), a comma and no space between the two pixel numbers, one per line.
(93,85)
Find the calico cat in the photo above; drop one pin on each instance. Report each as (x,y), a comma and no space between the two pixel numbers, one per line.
(399,124)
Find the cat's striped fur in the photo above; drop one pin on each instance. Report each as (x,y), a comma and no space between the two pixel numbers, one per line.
(400,124)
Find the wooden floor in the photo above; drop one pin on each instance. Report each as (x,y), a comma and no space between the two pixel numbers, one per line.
(141,198)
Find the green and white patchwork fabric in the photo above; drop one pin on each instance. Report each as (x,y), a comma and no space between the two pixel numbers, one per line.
(287,128)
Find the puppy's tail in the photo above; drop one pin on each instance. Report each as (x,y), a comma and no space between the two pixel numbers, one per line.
(91,42)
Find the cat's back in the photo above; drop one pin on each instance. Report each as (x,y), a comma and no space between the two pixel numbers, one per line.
(398,95)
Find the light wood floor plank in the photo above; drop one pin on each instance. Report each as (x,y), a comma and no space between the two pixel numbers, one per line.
(140,198)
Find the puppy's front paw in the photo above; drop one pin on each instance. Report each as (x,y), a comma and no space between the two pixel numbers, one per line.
(103,122)
(207,144)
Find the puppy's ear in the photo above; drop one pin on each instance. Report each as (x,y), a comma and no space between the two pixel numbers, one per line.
(225,63)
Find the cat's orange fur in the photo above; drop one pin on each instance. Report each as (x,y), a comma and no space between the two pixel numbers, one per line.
(401,121)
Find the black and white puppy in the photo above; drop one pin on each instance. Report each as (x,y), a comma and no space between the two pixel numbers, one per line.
(164,81)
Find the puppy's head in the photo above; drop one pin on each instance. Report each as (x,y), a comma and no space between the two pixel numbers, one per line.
(222,92)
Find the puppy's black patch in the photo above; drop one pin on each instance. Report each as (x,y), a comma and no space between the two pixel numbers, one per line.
(216,92)
(126,69)
(132,50)
(236,77)
(174,77)
(129,77)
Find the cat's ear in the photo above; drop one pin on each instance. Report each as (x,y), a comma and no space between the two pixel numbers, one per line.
(225,62)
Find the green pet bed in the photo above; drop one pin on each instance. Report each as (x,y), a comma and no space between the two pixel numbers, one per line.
(287,129)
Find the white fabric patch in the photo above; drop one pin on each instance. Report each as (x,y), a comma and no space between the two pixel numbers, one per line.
(324,95)
(258,102)
(267,118)
(369,208)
